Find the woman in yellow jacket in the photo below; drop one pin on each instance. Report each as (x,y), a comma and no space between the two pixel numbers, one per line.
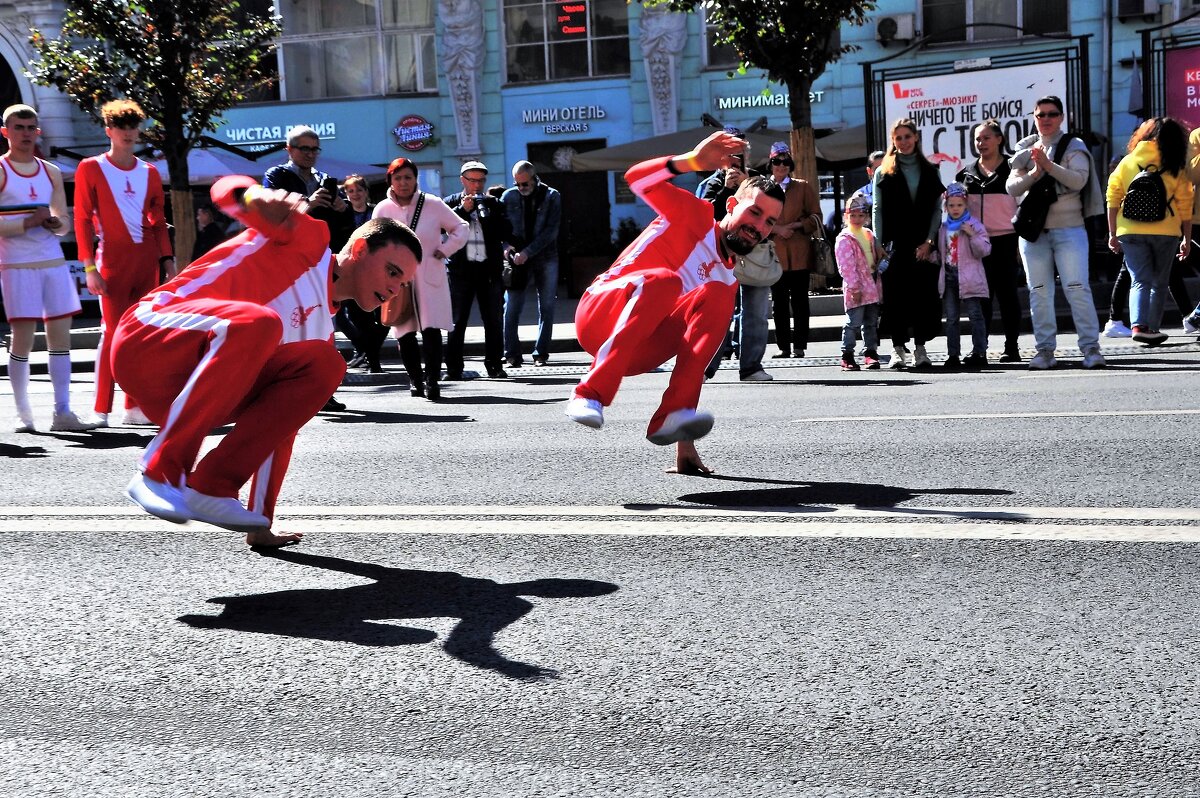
(1150,247)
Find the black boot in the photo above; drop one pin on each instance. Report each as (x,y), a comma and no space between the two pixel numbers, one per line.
(433,391)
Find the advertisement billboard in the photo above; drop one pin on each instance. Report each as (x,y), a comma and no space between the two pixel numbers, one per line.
(947,108)
(1182,83)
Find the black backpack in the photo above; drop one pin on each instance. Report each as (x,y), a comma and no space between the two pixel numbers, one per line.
(1146,198)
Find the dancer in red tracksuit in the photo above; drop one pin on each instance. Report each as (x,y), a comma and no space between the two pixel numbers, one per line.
(670,295)
(119,198)
(245,335)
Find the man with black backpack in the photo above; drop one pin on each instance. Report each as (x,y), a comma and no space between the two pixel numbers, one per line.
(1059,238)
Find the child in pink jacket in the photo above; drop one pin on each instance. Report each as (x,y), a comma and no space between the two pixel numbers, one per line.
(858,257)
(962,245)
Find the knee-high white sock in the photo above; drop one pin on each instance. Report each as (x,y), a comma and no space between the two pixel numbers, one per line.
(60,377)
(18,376)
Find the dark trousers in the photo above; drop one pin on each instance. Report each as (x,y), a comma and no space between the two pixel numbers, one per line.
(911,303)
(362,329)
(469,285)
(790,298)
(430,349)
(1002,269)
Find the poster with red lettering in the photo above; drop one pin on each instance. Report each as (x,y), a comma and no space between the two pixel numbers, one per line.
(1182,76)
(947,108)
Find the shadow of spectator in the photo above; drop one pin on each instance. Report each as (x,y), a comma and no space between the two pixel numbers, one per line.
(14,451)
(358,614)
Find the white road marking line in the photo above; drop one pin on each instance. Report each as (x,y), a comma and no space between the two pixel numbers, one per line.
(1056,375)
(608,528)
(652,512)
(973,416)
(1181,525)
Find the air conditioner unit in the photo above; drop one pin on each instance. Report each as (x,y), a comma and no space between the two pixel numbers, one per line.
(896,26)
(1131,9)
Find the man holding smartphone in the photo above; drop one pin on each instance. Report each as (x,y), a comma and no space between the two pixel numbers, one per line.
(723,183)
(300,176)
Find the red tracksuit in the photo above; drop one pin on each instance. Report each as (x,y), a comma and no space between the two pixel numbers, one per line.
(124,207)
(669,295)
(244,335)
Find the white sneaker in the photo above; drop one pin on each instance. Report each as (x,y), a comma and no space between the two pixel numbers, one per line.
(1115,329)
(682,425)
(1092,359)
(24,423)
(134,417)
(223,511)
(1044,359)
(898,361)
(921,358)
(158,498)
(588,412)
(758,376)
(67,421)
(101,420)
(1191,325)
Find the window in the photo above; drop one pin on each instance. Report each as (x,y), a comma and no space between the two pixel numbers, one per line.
(350,48)
(560,39)
(944,19)
(717,55)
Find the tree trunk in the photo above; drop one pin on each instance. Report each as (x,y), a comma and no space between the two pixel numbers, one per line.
(182,213)
(185,225)
(804,146)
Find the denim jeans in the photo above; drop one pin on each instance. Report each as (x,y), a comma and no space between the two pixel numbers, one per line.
(865,317)
(1149,259)
(953,306)
(543,273)
(1066,248)
(752,345)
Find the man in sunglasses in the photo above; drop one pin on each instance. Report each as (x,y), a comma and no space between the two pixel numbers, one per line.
(1064,241)
(300,176)
(534,210)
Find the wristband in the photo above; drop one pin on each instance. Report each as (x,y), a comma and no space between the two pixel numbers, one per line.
(90,269)
(691,163)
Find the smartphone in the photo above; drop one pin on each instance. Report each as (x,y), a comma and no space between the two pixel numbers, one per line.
(739,160)
(330,184)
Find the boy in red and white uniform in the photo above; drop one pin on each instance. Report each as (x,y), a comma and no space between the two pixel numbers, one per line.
(245,334)
(670,294)
(119,198)
(34,277)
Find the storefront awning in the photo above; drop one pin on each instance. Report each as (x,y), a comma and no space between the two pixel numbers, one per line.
(847,145)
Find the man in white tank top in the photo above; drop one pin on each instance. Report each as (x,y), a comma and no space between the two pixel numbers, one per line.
(34,278)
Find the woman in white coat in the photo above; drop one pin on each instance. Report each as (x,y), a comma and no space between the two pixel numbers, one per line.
(442,233)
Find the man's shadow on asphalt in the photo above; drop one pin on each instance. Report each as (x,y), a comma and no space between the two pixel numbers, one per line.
(13,451)
(352,416)
(361,614)
(809,497)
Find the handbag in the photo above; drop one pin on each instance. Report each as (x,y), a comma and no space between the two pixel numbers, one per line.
(1030,219)
(402,307)
(760,267)
(822,255)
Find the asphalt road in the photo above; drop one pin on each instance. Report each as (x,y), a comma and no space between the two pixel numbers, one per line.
(897,584)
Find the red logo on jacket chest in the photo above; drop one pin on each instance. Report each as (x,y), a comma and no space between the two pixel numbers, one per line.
(300,315)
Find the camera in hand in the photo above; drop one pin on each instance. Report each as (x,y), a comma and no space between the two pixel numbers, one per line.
(480,206)
(330,184)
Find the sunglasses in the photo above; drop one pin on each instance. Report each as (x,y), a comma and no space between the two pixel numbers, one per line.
(308,150)
(524,184)
(1048,114)
(781,162)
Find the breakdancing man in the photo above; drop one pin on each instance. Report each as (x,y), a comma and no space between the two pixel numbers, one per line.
(245,335)
(670,295)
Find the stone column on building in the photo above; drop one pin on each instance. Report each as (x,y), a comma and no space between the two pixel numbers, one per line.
(663,36)
(462,59)
(57,115)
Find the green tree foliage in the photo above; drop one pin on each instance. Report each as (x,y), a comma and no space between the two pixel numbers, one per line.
(185,63)
(793,41)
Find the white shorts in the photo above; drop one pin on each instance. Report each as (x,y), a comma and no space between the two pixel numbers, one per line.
(33,294)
